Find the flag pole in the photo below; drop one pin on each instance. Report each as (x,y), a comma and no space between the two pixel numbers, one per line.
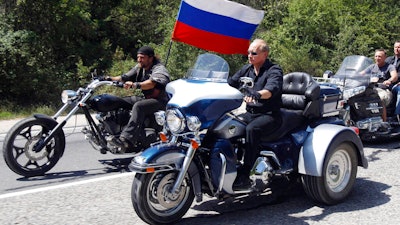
(168,52)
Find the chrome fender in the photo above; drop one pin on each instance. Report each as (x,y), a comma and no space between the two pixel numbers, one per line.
(166,157)
(316,145)
(161,157)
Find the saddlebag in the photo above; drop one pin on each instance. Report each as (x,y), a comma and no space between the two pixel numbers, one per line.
(329,98)
(365,106)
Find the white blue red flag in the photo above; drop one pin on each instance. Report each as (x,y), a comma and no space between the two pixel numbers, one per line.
(216,25)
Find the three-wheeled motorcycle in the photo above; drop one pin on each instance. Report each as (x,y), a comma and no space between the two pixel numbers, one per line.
(358,101)
(204,135)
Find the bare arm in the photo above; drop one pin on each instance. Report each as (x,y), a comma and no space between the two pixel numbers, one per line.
(393,78)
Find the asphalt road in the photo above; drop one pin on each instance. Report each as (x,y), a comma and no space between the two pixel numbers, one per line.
(90,188)
(79,162)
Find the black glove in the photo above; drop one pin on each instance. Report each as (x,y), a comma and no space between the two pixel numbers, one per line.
(249,92)
(105,78)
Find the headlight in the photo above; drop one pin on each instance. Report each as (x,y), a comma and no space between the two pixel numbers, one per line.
(175,121)
(68,95)
(193,123)
(348,93)
(139,159)
(160,117)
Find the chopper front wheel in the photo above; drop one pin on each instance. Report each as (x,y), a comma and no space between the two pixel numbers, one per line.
(19,150)
(153,201)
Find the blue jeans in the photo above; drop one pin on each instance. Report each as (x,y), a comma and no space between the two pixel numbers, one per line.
(396,93)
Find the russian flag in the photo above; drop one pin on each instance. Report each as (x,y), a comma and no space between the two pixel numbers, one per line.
(216,25)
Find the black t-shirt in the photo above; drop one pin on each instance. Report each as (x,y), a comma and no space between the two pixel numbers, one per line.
(391,60)
(270,78)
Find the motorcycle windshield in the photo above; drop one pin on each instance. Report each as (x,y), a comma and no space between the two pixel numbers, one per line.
(353,65)
(204,92)
(209,67)
(348,75)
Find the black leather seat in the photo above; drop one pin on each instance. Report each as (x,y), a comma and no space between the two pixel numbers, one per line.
(300,103)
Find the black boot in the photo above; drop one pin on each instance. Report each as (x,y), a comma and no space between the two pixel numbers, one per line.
(242,181)
(122,143)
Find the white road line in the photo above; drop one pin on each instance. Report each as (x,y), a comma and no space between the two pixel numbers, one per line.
(14,194)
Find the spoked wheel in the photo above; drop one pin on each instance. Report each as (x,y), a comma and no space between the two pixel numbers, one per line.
(338,177)
(19,149)
(153,201)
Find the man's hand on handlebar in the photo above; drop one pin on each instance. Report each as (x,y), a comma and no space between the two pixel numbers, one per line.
(251,95)
(132,85)
(387,82)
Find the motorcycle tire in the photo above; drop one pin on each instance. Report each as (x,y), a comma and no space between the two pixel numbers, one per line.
(152,201)
(338,176)
(18,147)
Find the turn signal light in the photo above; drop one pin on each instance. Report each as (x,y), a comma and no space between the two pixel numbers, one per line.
(163,137)
(356,130)
(194,144)
(150,170)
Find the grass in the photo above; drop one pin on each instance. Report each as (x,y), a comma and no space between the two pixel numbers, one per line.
(11,111)
(7,113)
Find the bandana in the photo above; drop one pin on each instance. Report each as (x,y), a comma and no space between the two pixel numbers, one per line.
(146,50)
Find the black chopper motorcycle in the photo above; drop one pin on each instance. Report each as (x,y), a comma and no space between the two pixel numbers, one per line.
(34,145)
(203,139)
(359,104)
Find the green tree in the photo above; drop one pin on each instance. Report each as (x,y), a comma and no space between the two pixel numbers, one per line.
(46,46)
(317,35)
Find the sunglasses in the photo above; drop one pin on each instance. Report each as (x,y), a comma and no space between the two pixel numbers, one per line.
(252,53)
